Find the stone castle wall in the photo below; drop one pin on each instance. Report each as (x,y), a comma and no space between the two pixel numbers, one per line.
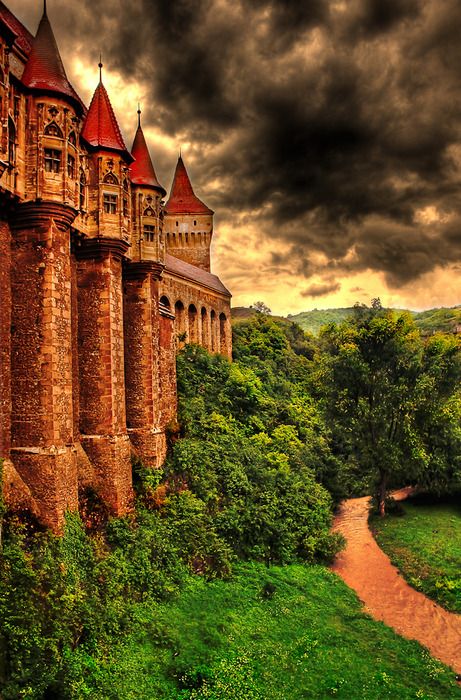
(90,319)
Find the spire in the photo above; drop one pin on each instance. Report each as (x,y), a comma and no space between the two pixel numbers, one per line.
(182,197)
(44,71)
(101,128)
(142,170)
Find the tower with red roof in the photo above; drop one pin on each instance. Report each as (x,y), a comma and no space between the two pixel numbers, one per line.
(188,222)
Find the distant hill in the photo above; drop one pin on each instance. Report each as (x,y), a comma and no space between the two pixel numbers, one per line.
(442,319)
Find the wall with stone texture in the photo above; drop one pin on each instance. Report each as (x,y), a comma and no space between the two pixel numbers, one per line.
(209,325)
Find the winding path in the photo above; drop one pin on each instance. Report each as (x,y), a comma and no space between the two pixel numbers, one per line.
(385,594)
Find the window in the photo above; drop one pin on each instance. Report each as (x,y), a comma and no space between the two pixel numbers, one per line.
(52,160)
(11,142)
(125,206)
(72,138)
(53,130)
(195,223)
(110,179)
(149,233)
(82,191)
(71,166)
(110,203)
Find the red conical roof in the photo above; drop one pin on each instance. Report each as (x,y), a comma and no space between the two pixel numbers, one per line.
(142,170)
(101,128)
(44,70)
(182,198)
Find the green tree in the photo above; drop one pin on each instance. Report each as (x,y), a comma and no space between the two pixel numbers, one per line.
(389,397)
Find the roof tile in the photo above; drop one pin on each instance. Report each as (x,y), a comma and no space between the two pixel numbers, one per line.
(101,128)
(196,274)
(44,69)
(182,197)
(142,170)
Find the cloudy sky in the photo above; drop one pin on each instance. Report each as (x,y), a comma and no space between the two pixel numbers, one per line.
(326,134)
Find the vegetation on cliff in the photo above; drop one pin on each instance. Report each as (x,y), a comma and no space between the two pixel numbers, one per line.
(184,598)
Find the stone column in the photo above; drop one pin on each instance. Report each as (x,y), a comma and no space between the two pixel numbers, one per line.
(42,443)
(101,370)
(141,324)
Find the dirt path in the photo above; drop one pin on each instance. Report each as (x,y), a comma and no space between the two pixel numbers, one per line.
(366,569)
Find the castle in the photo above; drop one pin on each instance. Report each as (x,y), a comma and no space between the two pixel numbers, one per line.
(100,283)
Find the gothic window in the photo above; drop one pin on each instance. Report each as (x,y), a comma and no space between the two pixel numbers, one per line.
(52,160)
(110,179)
(71,166)
(72,138)
(110,203)
(81,195)
(53,129)
(149,233)
(11,141)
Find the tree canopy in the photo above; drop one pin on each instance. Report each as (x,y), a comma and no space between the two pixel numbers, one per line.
(391,399)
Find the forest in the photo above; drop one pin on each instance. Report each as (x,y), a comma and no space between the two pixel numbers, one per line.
(217,585)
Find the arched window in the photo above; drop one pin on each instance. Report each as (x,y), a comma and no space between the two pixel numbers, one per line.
(205,329)
(52,129)
(110,179)
(164,301)
(180,323)
(82,191)
(72,138)
(223,334)
(193,324)
(11,142)
(213,330)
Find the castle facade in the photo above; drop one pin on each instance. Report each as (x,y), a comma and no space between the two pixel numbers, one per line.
(101,282)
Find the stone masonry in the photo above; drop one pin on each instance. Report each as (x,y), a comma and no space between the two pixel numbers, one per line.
(101,282)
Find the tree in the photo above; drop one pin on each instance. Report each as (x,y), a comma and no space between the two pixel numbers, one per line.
(388,393)
(260,307)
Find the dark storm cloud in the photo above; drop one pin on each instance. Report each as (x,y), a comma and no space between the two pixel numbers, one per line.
(321,290)
(333,123)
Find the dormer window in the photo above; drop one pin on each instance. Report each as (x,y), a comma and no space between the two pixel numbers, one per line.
(52,160)
(53,129)
(110,203)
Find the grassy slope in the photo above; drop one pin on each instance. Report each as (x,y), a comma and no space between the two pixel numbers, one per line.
(309,640)
(425,544)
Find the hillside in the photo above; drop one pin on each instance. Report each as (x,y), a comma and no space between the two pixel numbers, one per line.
(430,321)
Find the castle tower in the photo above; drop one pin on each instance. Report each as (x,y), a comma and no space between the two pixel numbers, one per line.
(148,193)
(188,222)
(142,315)
(42,429)
(100,258)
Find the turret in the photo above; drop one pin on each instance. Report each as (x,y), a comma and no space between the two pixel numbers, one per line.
(148,241)
(188,222)
(54,113)
(109,192)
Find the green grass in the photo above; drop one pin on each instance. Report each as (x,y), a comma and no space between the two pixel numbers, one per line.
(425,544)
(305,637)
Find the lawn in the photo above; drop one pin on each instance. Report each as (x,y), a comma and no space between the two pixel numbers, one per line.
(425,544)
(284,633)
